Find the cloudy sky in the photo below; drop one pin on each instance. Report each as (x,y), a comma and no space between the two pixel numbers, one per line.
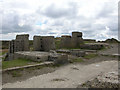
(97,19)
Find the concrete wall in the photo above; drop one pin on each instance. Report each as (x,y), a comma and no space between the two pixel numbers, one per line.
(72,42)
(48,43)
(66,42)
(43,43)
(37,43)
(76,34)
(24,41)
(21,43)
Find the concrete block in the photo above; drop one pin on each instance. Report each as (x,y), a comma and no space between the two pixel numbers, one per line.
(78,53)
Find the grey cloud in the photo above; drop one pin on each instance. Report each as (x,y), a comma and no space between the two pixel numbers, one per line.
(52,33)
(107,10)
(10,24)
(58,23)
(53,11)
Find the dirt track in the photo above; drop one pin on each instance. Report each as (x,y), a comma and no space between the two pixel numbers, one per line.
(69,76)
(72,75)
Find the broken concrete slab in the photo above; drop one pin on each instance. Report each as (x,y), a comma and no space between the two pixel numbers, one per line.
(32,55)
(58,58)
(77,52)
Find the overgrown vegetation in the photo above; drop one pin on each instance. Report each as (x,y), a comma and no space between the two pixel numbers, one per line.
(2,52)
(89,56)
(89,42)
(16,74)
(78,60)
(17,62)
(57,44)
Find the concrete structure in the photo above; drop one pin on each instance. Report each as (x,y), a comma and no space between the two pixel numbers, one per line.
(78,53)
(42,56)
(66,42)
(37,43)
(90,40)
(72,42)
(21,43)
(58,58)
(43,43)
(92,46)
(34,55)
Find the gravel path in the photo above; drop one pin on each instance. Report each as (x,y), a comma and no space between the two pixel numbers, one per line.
(113,49)
(69,76)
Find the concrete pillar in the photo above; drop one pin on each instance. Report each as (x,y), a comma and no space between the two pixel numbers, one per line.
(66,42)
(23,42)
(77,34)
(48,43)
(37,43)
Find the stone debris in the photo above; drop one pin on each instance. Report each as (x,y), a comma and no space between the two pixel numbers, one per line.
(111,77)
(106,80)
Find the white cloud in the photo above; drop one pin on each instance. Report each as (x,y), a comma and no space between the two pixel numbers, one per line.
(58,17)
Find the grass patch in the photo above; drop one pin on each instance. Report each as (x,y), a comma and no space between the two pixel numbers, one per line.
(89,42)
(89,56)
(16,74)
(78,60)
(57,44)
(17,62)
(103,48)
(2,53)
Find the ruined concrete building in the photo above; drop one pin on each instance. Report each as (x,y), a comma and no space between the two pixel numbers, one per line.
(43,43)
(73,41)
(21,43)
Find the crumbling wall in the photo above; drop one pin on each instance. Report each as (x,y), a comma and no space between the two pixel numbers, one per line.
(43,43)
(66,42)
(48,43)
(72,42)
(37,43)
(77,34)
(21,43)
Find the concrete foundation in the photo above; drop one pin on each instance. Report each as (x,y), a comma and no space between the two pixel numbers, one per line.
(41,56)
(34,55)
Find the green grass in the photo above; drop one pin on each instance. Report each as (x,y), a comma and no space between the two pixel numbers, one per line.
(2,53)
(89,42)
(57,44)
(17,62)
(89,56)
